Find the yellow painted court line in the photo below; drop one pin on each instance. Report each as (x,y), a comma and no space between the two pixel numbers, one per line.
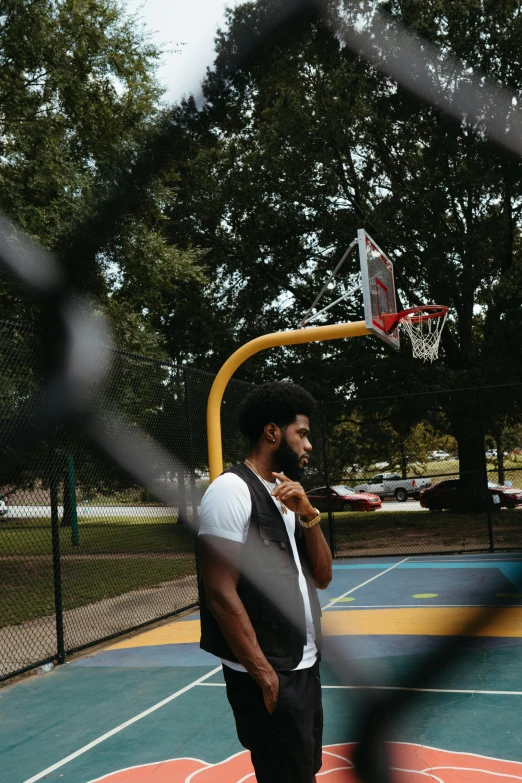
(177,632)
(422,621)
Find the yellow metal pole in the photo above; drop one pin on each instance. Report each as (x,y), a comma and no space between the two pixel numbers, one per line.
(292,337)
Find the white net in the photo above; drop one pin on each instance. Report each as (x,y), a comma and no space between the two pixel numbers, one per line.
(424,333)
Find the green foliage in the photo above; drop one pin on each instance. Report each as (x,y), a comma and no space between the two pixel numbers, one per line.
(76,82)
(302,141)
(78,100)
(305,142)
(368,436)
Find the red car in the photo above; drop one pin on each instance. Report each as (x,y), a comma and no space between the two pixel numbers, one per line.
(445,495)
(343,499)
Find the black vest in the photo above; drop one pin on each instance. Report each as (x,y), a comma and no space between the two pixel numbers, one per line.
(268,585)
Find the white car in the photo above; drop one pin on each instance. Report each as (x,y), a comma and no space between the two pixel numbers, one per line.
(388,485)
(438,455)
(492,454)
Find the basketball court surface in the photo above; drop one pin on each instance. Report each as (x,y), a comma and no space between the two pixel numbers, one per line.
(152,708)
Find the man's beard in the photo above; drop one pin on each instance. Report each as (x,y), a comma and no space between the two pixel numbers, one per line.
(288,461)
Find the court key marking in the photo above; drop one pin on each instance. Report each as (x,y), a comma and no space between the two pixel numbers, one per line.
(367,582)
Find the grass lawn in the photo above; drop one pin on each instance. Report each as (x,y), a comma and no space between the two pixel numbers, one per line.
(135,555)
(26,576)
(439,470)
(27,585)
(33,537)
(422,532)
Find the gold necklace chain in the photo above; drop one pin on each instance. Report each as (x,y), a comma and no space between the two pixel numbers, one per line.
(266,483)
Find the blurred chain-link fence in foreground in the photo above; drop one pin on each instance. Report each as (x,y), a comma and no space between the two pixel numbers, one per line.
(88,553)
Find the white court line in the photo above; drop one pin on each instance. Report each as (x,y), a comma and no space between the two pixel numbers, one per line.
(421,690)
(442,562)
(367,582)
(393,688)
(426,605)
(429,770)
(122,726)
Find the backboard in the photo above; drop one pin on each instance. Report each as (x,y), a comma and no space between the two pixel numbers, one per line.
(378,288)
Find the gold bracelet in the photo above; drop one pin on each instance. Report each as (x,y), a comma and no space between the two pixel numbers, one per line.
(313,522)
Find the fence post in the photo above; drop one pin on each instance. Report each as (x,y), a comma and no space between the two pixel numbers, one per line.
(331,533)
(192,461)
(57,572)
(485,471)
(192,468)
(70,511)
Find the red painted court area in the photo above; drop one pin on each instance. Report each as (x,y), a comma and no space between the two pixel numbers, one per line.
(409,764)
(152,708)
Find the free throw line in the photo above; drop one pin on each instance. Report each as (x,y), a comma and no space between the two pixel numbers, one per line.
(119,728)
(367,582)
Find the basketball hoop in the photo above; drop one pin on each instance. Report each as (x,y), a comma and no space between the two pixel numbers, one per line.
(424,326)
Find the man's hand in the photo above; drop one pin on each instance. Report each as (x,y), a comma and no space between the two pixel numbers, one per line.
(270,690)
(292,494)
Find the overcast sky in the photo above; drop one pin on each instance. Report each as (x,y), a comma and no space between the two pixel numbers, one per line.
(188,26)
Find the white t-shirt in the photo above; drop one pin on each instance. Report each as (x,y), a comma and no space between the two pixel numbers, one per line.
(225,512)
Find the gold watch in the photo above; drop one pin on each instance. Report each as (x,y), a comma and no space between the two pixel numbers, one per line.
(313,522)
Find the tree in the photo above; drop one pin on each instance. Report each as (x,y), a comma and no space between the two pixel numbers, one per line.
(303,142)
(78,100)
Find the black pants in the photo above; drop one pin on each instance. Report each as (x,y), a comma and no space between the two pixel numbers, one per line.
(285,746)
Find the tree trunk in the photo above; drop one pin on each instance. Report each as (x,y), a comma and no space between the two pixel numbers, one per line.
(182,497)
(404,461)
(500,457)
(194,501)
(472,486)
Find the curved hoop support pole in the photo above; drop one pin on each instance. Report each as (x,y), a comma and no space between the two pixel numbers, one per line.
(276,339)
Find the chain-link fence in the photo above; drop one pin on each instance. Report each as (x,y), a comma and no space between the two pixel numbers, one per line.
(88,553)
(444,470)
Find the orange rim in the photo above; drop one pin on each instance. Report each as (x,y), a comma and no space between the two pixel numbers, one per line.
(414,314)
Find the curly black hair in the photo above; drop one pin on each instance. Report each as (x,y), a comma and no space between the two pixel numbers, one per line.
(279,402)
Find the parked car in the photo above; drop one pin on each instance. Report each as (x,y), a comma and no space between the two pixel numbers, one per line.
(446,495)
(343,499)
(389,485)
(438,455)
(3,506)
(492,454)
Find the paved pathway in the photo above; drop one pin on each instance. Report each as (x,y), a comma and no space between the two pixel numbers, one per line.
(21,645)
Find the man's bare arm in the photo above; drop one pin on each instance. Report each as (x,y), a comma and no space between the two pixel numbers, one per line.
(319,556)
(219,560)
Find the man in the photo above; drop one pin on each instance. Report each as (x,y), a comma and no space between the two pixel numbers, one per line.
(262,556)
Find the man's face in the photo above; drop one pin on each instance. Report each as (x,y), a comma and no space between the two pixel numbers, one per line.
(293,451)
